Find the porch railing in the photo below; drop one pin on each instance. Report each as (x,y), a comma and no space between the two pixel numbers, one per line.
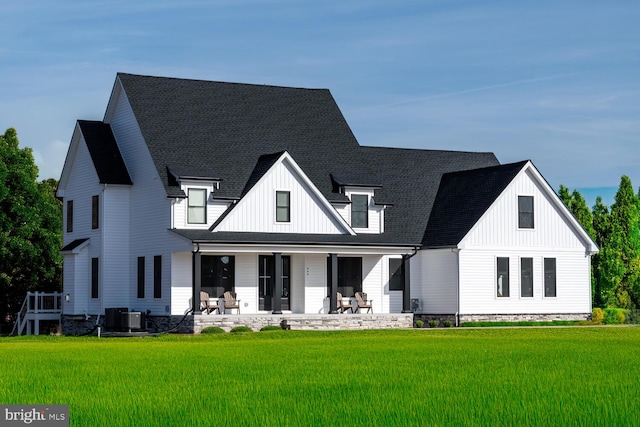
(37,306)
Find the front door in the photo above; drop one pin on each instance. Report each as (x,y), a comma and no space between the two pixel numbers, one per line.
(266,282)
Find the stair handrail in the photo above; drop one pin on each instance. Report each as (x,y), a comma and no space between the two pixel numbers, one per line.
(18,325)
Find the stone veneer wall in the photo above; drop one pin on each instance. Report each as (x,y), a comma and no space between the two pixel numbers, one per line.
(501,317)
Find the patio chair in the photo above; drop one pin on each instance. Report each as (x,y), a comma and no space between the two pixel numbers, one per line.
(206,305)
(230,301)
(341,306)
(363,302)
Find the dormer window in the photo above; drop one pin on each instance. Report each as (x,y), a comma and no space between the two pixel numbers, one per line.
(197,206)
(360,211)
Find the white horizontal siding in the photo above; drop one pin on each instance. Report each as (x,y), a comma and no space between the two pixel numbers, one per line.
(439,281)
(256,212)
(315,284)
(181,283)
(114,223)
(478,283)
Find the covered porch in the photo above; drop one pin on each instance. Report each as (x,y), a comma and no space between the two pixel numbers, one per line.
(293,279)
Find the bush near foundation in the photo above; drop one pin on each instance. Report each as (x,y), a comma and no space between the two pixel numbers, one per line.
(614,316)
(597,315)
(212,330)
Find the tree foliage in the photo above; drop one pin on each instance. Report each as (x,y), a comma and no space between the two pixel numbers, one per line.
(30,228)
(616,231)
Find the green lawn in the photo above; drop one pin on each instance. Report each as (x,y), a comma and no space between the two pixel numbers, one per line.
(578,376)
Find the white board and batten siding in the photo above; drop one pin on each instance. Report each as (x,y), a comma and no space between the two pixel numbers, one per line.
(150,207)
(375,213)
(497,235)
(256,212)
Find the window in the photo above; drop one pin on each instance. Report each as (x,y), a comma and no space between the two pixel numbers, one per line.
(550,277)
(217,274)
(525,211)
(157,276)
(396,279)
(526,277)
(95,212)
(503,277)
(69,216)
(283,207)
(197,206)
(140,277)
(359,211)
(94,277)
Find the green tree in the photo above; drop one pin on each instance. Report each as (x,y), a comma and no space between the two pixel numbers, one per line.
(30,228)
(602,230)
(621,266)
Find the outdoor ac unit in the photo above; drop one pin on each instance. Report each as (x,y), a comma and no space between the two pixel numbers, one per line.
(113,318)
(132,320)
(416,304)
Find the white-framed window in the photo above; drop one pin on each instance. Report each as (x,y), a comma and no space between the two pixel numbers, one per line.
(526,277)
(525,212)
(359,211)
(197,206)
(502,277)
(550,290)
(283,206)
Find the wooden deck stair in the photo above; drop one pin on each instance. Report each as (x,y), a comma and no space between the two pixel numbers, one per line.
(38,306)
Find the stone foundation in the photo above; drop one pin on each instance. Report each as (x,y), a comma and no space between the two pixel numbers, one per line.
(78,325)
(523,317)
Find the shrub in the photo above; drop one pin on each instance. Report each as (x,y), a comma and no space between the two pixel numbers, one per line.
(241,329)
(614,316)
(597,315)
(434,323)
(633,316)
(447,323)
(270,328)
(212,330)
(419,323)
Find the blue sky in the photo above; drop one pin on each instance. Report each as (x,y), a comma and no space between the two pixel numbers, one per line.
(557,82)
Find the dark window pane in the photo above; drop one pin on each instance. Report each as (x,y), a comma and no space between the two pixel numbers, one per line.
(526,277)
(95,212)
(503,277)
(69,216)
(396,280)
(157,276)
(349,275)
(549,277)
(359,211)
(141,279)
(218,274)
(95,274)
(525,211)
(283,208)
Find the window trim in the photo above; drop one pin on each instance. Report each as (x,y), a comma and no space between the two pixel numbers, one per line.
(283,208)
(523,222)
(357,205)
(196,208)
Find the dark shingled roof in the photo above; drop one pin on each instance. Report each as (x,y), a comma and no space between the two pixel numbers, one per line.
(463,197)
(74,244)
(104,152)
(235,132)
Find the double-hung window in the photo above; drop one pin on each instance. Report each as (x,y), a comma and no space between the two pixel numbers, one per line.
(197,206)
(359,211)
(283,206)
(525,211)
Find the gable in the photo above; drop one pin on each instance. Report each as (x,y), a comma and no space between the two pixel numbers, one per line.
(310,212)
(554,225)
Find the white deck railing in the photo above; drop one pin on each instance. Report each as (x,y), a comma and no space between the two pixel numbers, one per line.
(37,306)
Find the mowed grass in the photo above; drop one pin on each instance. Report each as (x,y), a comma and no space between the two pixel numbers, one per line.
(575,376)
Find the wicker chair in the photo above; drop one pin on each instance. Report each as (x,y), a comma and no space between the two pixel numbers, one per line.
(363,302)
(341,306)
(206,305)
(230,301)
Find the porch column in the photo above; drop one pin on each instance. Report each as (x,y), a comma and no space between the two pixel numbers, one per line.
(406,289)
(197,280)
(277,291)
(333,283)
